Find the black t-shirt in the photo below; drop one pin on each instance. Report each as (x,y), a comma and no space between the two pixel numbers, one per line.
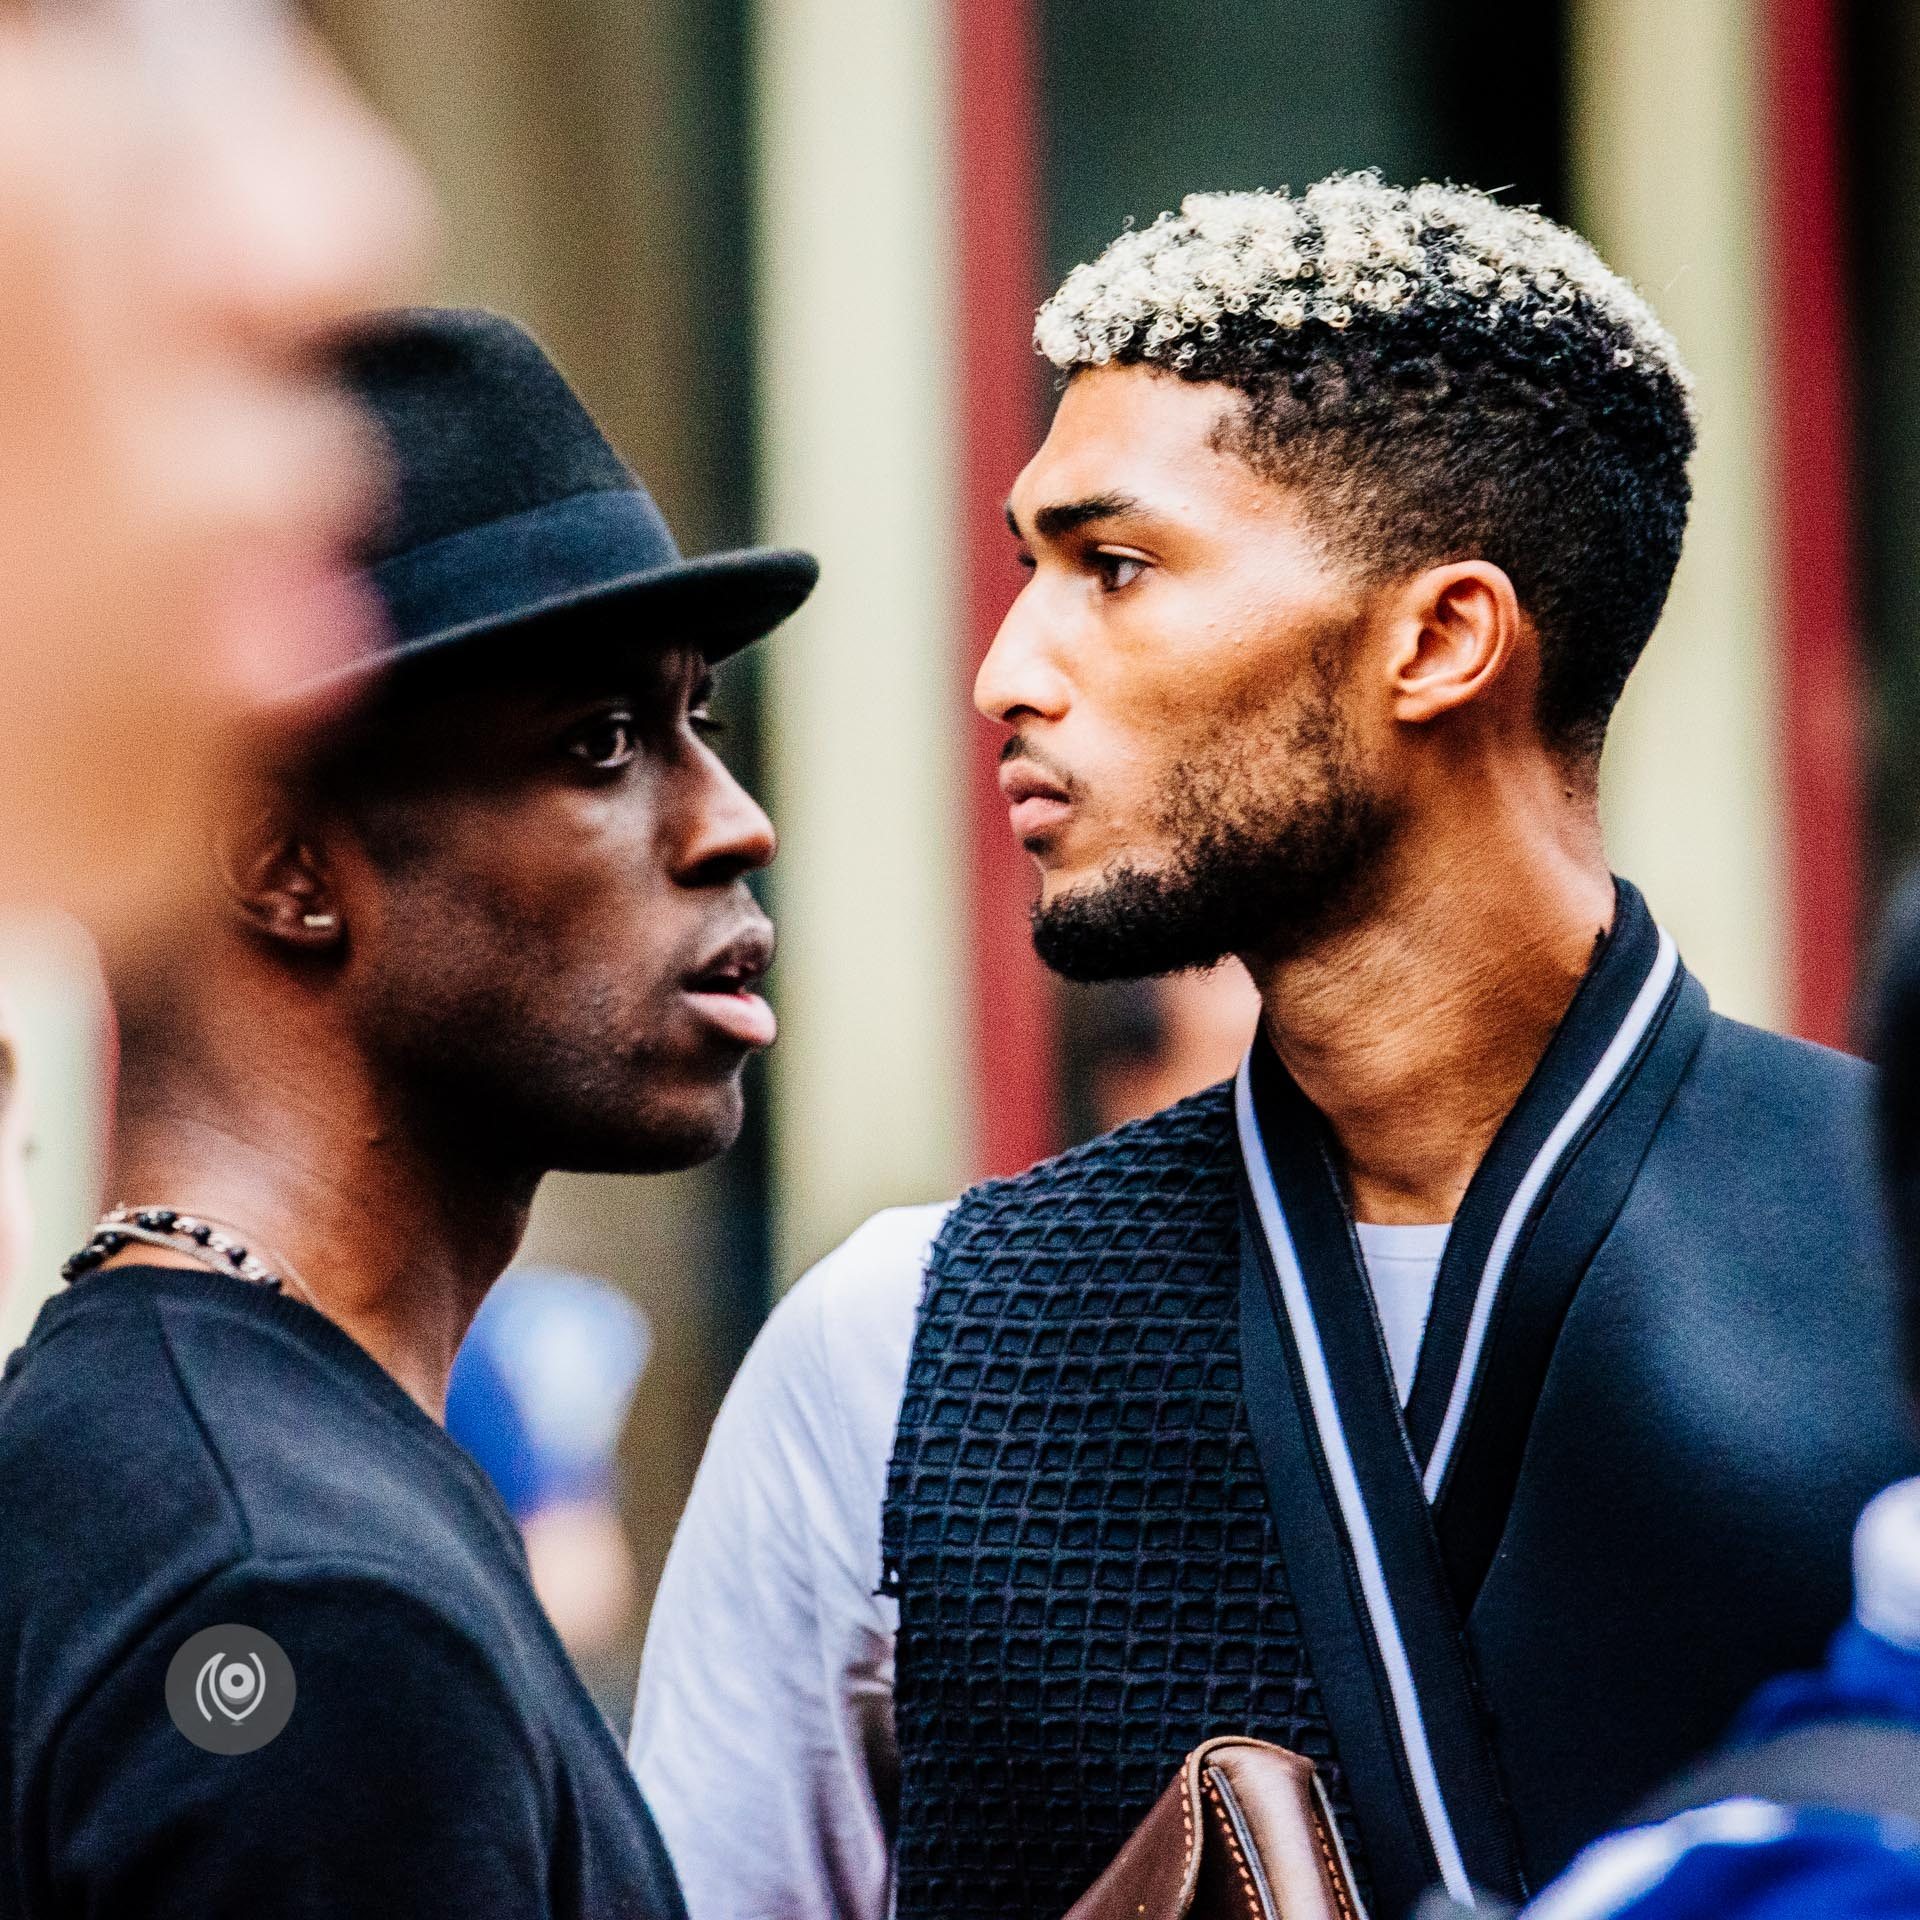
(179,1451)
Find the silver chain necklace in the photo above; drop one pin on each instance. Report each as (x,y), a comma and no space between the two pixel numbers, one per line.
(208,1242)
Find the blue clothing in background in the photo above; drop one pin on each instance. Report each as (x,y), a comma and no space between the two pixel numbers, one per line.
(1745,1860)
(1751,1859)
(542,1383)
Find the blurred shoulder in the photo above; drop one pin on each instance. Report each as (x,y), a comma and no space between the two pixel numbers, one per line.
(852,1313)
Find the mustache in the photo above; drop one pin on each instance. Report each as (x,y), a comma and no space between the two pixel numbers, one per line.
(1019,747)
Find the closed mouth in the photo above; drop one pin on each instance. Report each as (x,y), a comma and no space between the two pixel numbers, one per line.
(1020,780)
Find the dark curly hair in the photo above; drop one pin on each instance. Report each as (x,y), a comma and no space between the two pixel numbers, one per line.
(1440,377)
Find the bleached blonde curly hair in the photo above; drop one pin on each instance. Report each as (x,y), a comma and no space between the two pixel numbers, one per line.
(1441,375)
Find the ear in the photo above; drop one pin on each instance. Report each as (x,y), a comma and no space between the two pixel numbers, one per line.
(1460,631)
(277,878)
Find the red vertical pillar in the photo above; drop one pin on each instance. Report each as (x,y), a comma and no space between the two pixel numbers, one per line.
(1817,596)
(995,69)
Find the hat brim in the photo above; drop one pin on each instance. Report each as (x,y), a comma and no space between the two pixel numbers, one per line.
(560,564)
(718,602)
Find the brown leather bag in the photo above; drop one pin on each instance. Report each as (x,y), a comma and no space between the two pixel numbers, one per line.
(1243,1833)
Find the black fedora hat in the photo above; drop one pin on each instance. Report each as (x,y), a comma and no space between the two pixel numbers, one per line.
(509,506)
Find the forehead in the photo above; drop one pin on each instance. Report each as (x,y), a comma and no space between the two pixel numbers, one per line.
(1145,434)
(529,675)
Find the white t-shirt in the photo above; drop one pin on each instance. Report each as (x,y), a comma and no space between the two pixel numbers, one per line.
(763,1735)
(1402,1265)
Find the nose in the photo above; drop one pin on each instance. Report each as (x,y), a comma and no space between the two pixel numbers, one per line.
(1021,678)
(728,832)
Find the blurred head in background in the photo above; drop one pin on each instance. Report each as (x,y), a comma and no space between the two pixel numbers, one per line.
(1356,512)
(191,202)
(538,1396)
(16,1222)
(1899,1050)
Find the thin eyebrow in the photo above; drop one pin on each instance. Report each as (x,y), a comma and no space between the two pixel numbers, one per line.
(1064,516)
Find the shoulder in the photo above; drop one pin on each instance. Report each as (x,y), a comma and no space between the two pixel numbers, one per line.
(110,1490)
(1775,1070)
(150,1446)
(371,1626)
(1190,1130)
(831,1361)
(1171,1163)
(431,1762)
(787,1500)
(869,1279)
(1785,1103)
(377,1656)
(861,1297)
(321,1451)
(1792,1066)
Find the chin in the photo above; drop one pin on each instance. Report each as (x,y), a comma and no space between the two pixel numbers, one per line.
(674,1130)
(1057,882)
(698,1137)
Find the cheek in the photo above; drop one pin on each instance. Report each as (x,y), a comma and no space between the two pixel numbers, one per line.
(571,889)
(603,920)
(1180,683)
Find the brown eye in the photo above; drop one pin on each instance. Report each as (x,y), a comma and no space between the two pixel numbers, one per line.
(1118,570)
(605,743)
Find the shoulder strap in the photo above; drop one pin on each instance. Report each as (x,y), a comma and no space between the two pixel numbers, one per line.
(1377,1621)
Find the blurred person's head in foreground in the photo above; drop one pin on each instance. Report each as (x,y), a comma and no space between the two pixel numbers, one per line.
(191,203)
(1356,512)
(496,922)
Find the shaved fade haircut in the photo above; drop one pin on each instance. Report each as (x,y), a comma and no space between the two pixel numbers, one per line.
(1439,377)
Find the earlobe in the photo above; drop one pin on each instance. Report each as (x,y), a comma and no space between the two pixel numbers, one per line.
(278,883)
(1464,626)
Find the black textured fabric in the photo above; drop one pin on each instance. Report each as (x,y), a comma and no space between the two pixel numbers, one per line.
(481,425)
(1076,1526)
(181,1450)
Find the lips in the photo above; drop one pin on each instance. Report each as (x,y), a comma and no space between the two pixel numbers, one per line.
(723,989)
(1036,803)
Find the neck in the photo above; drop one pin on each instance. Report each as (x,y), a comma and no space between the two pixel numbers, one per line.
(395,1246)
(1415,1028)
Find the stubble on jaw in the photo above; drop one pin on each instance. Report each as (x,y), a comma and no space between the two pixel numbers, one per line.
(1272,843)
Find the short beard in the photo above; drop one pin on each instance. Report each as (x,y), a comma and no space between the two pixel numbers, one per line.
(1270,853)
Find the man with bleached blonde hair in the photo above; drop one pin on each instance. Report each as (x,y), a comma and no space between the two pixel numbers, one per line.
(1475,1394)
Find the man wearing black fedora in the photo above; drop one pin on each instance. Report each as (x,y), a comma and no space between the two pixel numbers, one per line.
(267,1641)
